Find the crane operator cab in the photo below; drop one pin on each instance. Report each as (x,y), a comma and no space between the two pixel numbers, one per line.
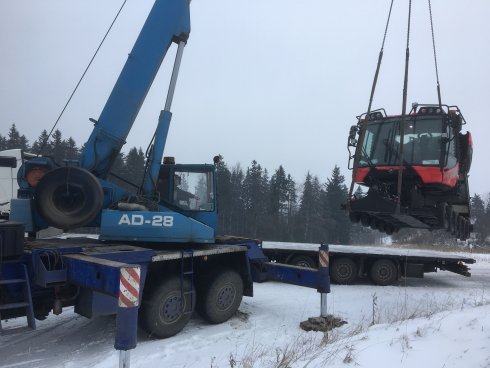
(187,187)
(436,159)
(185,209)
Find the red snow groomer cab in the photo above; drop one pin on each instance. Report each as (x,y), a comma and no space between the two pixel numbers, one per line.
(435,160)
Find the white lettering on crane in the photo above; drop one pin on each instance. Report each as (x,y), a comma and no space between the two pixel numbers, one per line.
(137,220)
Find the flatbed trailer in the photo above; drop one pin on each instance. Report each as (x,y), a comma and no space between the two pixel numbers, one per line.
(382,265)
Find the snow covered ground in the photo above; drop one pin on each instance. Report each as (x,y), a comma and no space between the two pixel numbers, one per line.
(442,320)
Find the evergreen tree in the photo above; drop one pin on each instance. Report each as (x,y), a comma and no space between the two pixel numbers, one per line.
(71,150)
(337,222)
(42,146)
(3,143)
(255,195)
(15,140)
(310,225)
(485,226)
(291,208)
(278,204)
(478,216)
(58,147)
(237,205)
(24,143)
(224,199)
(134,166)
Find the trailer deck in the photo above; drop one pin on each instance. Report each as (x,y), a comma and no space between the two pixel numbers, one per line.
(350,262)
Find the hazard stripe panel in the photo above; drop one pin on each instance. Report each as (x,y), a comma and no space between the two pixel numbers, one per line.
(324,259)
(129,287)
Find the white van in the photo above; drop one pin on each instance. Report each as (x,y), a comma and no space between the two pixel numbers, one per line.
(10,162)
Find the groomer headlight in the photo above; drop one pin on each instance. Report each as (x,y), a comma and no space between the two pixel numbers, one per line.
(375,116)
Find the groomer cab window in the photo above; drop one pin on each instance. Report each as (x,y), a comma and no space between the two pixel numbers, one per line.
(425,142)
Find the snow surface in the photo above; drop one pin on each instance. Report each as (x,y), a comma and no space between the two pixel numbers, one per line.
(442,320)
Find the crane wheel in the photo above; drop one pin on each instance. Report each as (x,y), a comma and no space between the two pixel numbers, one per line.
(69,197)
(219,299)
(163,312)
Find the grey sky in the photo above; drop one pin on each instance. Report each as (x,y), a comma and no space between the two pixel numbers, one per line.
(278,81)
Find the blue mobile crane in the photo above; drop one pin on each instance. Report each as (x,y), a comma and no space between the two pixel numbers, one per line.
(157,258)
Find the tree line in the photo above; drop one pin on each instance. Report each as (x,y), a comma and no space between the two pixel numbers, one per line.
(253,202)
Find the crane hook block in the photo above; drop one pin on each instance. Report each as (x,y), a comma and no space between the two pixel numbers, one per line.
(69,197)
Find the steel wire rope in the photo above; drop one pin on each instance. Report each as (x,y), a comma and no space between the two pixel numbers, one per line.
(435,54)
(363,126)
(404,113)
(80,80)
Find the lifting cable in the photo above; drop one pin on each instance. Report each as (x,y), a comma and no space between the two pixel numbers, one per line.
(404,112)
(80,80)
(363,125)
(435,55)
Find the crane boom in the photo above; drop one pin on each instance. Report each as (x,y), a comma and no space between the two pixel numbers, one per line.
(129,92)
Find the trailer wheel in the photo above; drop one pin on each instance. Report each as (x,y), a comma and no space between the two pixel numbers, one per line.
(384,272)
(220,298)
(163,313)
(343,271)
(303,261)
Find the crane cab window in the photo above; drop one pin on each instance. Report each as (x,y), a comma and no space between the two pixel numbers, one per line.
(193,190)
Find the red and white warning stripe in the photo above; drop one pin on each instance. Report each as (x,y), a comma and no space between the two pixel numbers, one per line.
(129,287)
(324,258)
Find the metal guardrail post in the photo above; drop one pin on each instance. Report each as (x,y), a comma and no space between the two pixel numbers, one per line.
(323,271)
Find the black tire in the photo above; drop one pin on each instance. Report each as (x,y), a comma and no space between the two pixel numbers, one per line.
(303,261)
(69,197)
(383,272)
(343,271)
(219,299)
(161,312)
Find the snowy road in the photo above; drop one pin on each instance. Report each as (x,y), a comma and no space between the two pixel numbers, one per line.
(442,320)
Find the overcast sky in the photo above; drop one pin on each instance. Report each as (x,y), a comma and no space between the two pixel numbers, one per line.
(278,81)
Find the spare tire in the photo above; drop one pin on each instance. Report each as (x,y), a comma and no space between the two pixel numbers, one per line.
(69,197)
